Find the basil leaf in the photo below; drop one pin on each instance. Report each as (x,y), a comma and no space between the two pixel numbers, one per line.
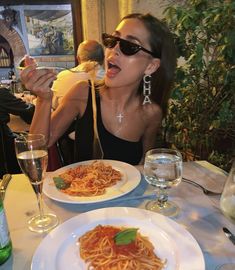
(60,183)
(125,237)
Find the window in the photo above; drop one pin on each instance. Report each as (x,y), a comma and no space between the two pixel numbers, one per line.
(5,60)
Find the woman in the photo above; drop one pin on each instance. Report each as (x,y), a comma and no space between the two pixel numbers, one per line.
(139,70)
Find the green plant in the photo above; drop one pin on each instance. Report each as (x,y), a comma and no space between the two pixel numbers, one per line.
(201,117)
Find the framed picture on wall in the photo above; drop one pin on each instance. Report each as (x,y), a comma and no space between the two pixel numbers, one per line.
(49,30)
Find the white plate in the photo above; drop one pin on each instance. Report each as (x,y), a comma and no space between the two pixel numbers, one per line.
(130,180)
(59,251)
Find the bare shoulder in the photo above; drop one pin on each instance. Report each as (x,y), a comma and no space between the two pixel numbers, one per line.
(79,91)
(75,100)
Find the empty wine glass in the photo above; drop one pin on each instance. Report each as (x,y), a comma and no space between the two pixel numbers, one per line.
(227,199)
(32,156)
(163,169)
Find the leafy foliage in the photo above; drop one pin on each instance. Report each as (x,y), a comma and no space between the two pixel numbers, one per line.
(201,117)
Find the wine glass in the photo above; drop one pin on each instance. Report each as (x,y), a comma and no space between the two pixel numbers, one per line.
(227,206)
(227,199)
(32,156)
(163,169)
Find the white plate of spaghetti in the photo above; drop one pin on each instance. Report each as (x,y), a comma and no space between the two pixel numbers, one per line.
(92,181)
(172,245)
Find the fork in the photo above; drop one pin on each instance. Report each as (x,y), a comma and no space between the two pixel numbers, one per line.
(205,190)
(55,68)
(86,67)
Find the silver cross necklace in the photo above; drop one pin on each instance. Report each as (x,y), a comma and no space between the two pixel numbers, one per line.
(120,116)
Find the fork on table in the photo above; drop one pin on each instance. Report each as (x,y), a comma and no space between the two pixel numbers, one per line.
(205,190)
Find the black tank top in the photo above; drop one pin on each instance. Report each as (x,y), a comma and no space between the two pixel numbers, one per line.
(113,147)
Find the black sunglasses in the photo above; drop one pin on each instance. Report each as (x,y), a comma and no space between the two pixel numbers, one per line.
(126,47)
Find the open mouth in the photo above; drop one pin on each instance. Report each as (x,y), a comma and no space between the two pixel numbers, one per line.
(112,66)
(112,69)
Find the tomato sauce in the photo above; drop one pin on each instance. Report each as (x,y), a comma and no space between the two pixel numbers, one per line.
(110,232)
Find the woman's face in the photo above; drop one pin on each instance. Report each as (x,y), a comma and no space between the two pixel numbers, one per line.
(122,70)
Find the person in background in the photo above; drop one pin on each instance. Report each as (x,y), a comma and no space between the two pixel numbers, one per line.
(9,104)
(140,61)
(88,50)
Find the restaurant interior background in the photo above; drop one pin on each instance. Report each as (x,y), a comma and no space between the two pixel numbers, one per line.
(71,22)
(201,117)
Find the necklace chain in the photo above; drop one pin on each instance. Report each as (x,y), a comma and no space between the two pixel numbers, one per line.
(120,118)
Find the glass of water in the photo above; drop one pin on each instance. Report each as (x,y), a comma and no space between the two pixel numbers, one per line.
(163,170)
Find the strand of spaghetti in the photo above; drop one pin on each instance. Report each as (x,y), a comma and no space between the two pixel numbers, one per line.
(97,147)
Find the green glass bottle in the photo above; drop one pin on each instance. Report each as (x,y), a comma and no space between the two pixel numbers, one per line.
(5,240)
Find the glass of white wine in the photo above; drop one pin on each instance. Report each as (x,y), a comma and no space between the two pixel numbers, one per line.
(163,170)
(32,156)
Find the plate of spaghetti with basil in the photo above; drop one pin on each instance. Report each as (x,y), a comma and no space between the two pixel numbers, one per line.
(119,238)
(91,181)
(111,247)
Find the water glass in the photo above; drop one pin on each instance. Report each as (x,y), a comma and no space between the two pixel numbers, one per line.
(163,169)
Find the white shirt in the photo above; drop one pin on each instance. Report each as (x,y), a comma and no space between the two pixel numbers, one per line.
(66,80)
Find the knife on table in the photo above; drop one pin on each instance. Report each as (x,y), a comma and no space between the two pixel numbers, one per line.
(229,234)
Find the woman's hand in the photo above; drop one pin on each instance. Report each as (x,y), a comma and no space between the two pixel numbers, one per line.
(38,81)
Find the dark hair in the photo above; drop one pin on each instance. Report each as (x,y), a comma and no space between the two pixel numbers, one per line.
(162,43)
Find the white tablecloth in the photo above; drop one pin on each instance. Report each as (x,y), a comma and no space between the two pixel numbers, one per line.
(200,215)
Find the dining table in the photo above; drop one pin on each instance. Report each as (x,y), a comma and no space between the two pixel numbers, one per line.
(199,214)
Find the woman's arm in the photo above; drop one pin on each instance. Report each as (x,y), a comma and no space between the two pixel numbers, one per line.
(72,105)
(38,82)
(42,117)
